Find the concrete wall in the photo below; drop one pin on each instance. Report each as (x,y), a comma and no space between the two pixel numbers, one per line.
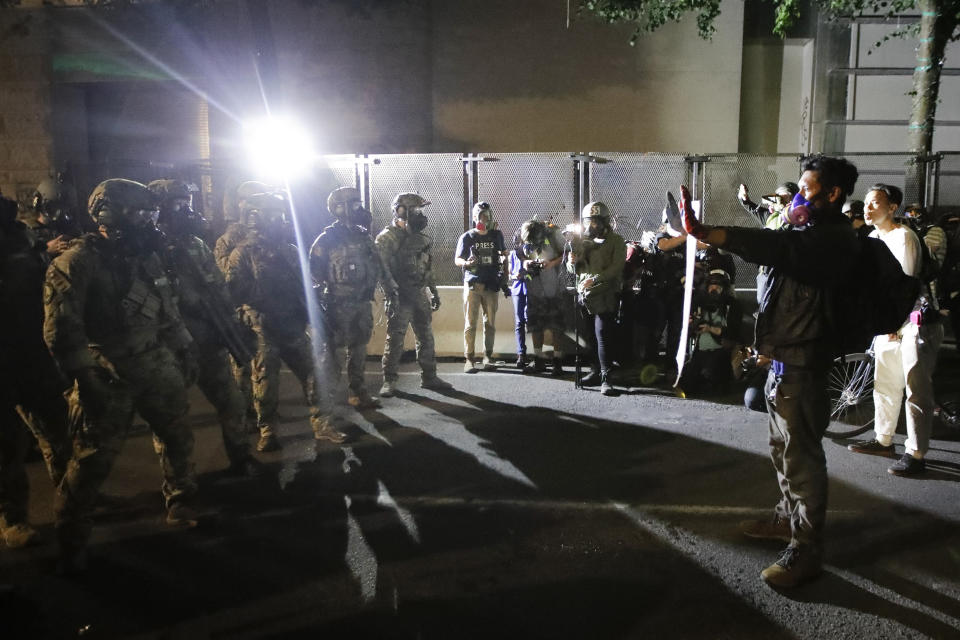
(25,140)
(510,76)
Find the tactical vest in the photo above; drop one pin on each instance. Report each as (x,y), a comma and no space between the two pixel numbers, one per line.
(350,270)
(412,260)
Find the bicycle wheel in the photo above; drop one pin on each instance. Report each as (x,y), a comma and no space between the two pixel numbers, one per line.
(850,389)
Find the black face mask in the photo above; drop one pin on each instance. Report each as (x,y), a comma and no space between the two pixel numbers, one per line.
(416,222)
(594,229)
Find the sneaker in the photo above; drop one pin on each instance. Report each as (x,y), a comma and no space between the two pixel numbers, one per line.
(468,366)
(180,515)
(389,389)
(592,379)
(795,566)
(605,387)
(557,369)
(872,448)
(907,465)
(539,365)
(268,442)
(19,535)
(363,401)
(776,529)
(326,431)
(521,362)
(436,384)
(488,364)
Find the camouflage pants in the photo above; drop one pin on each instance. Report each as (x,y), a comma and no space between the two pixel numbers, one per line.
(273,349)
(412,308)
(152,385)
(348,325)
(216,380)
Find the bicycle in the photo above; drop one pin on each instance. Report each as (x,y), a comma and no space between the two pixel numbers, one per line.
(850,389)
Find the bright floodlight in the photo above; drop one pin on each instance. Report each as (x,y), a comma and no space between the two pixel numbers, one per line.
(278,147)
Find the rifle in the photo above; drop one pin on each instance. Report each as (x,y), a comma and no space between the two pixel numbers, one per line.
(227,326)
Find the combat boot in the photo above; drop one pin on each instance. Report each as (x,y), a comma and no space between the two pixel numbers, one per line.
(181,515)
(435,384)
(324,430)
(363,401)
(19,535)
(389,389)
(777,528)
(268,438)
(796,565)
(539,365)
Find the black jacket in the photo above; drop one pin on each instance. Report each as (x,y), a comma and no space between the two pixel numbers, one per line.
(796,323)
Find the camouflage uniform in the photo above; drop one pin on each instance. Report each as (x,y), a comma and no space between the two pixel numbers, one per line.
(202,290)
(265,279)
(233,236)
(407,274)
(30,383)
(345,268)
(112,324)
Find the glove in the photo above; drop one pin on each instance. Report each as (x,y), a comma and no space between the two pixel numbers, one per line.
(434,300)
(391,300)
(506,291)
(690,223)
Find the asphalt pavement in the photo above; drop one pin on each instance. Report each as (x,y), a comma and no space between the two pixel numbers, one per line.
(512,506)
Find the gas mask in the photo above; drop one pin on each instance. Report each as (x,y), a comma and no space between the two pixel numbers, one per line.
(799,212)
(132,232)
(416,220)
(594,228)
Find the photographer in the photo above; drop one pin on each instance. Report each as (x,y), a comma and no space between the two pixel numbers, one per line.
(771,205)
(597,260)
(795,328)
(537,302)
(715,327)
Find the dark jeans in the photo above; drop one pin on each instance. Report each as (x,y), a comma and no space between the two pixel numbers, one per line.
(599,330)
(520,321)
(799,413)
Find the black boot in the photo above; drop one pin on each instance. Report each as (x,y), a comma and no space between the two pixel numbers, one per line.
(521,361)
(557,369)
(539,365)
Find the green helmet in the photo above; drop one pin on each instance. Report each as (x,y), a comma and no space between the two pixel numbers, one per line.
(165,190)
(405,202)
(342,196)
(264,211)
(126,210)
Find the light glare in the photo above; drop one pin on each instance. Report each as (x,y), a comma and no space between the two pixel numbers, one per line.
(278,147)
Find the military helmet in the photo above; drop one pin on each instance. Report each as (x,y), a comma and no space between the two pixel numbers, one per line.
(264,210)
(342,196)
(119,196)
(121,206)
(51,194)
(166,190)
(404,202)
(595,210)
(481,208)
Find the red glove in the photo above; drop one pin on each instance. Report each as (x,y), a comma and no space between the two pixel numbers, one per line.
(690,222)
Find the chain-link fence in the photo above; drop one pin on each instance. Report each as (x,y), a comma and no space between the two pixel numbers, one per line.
(519,186)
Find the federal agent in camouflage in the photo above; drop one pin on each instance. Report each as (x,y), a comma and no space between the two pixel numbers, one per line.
(113,326)
(266,281)
(208,313)
(345,269)
(407,275)
(30,383)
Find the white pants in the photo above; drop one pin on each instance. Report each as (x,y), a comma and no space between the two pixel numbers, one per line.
(906,365)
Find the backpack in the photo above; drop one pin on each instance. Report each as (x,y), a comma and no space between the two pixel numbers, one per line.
(929,267)
(877,300)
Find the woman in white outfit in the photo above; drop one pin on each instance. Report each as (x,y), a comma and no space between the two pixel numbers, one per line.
(904,360)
